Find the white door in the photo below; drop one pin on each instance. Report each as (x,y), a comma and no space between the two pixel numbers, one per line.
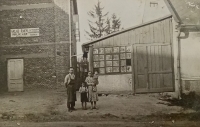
(15,75)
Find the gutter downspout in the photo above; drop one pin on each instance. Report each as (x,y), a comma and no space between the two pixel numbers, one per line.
(178,61)
(70,34)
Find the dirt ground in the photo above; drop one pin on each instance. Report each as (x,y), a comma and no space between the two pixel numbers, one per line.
(50,105)
(100,124)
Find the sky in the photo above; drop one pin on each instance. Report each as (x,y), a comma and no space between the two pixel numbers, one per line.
(126,10)
(131,13)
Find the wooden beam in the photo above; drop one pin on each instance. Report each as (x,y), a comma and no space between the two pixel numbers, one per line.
(173,11)
(91,58)
(190,78)
(133,70)
(26,6)
(35,44)
(33,55)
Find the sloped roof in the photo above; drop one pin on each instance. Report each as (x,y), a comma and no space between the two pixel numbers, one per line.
(185,11)
(125,30)
(188,11)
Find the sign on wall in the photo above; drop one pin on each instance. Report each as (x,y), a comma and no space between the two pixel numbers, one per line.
(25,32)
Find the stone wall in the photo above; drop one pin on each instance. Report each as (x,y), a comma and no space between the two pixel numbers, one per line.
(42,18)
(39,71)
(62,35)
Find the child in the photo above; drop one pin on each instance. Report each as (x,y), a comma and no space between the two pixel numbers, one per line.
(95,80)
(83,92)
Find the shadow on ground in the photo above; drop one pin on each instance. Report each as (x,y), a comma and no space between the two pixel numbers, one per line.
(187,101)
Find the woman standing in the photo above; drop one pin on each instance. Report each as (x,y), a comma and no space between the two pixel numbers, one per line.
(93,97)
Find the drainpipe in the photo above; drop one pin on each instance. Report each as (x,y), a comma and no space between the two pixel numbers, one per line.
(178,61)
(70,34)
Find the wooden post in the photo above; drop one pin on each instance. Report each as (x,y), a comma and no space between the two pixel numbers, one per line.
(91,58)
(175,54)
(133,68)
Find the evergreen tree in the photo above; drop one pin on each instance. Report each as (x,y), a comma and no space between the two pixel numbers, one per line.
(116,23)
(98,26)
(108,27)
(101,24)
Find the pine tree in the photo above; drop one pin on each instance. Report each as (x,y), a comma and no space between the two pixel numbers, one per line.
(116,23)
(98,26)
(102,24)
(108,29)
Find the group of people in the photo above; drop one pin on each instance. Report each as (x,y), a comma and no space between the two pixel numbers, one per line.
(88,90)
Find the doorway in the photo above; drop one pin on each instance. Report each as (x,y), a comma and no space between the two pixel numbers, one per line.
(15,71)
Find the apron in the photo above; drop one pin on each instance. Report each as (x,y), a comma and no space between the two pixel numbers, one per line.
(71,96)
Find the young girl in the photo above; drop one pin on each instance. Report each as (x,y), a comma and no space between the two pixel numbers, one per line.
(83,92)
(92,96)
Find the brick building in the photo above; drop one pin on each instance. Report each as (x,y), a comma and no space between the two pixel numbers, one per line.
(36,41)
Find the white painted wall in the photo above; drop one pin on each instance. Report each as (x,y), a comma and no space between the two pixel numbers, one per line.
(190,56)
(153,13)
(121,82)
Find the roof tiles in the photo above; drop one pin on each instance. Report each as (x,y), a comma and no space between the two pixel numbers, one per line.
(188,11)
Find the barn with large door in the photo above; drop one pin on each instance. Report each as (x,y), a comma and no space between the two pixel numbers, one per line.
(138,59)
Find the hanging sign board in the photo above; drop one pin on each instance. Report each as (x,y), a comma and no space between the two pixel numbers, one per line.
(25,32)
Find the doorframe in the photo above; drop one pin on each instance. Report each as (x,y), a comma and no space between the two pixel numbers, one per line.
(133,70)
(7,59)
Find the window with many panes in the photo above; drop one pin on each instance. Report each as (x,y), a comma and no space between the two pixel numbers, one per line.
(112,60)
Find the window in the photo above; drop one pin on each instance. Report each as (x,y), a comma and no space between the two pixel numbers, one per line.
(112,60)
(153,4)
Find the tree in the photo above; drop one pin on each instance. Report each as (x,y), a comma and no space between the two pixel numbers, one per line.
(116,23)
(108,27)
(102,24)
(114,26)
(98,26)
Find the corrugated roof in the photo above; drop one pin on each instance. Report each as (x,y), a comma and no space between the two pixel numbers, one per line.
(187,10)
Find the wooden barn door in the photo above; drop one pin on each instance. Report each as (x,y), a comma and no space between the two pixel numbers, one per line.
(153,68)
(140,69)
(15,75)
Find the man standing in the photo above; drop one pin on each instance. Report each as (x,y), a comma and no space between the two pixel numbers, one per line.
(71,91)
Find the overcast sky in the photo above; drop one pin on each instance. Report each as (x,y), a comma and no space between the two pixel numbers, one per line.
(127,10)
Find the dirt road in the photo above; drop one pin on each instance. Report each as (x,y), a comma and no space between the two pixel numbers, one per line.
(50,106)
(101,124)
